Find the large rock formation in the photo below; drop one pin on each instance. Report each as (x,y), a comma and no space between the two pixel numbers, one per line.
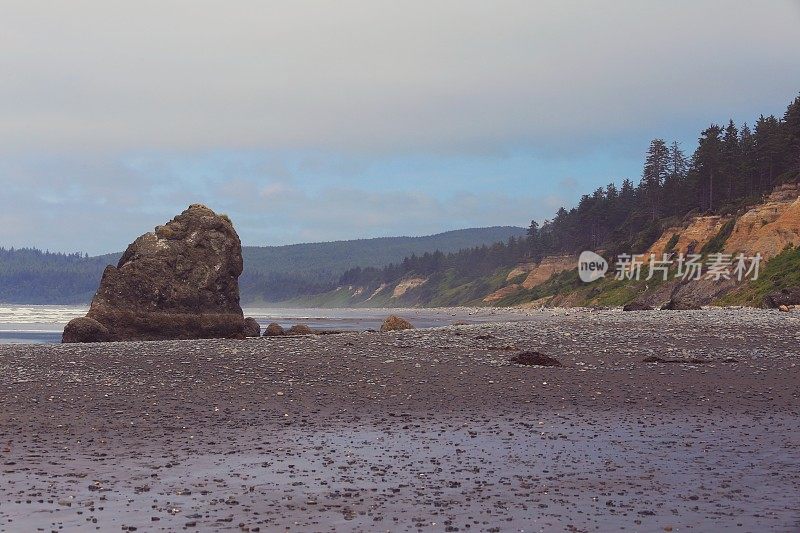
(178,282)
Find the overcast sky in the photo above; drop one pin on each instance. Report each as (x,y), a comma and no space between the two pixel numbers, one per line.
(310,121)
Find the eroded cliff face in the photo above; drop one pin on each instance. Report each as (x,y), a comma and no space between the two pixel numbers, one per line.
(554,264)
(535,274)
(769,227)
(406,285)
(691,238)
(766,228)
(519,270)
(503,292)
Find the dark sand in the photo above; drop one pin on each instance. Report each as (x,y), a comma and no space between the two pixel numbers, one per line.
(429,429)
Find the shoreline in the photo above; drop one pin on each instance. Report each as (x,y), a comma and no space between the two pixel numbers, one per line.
(428,429)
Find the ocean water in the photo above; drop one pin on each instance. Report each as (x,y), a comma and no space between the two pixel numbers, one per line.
(36,323)
(44,323)
(355,319)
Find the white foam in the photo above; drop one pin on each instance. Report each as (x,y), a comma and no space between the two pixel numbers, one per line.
(54,316)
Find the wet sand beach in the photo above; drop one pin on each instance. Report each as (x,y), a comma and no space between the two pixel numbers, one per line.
(431,429)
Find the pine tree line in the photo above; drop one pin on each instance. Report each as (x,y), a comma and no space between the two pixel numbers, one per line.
(730,168)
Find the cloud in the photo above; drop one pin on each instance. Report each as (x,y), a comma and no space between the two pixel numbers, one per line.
(113,201)
(380,76)
(68,203)
(311,121)
(285,214)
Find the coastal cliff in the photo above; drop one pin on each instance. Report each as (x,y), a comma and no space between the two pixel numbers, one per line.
(769,226)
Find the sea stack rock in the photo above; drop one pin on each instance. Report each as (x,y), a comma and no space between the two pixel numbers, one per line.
(178,282)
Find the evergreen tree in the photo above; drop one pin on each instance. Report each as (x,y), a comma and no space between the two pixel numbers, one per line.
(747,161)
(791,121)
(627,192)
(656,170)
(731,157)
(675,182)
(768,144)
(533,230)
(707,161)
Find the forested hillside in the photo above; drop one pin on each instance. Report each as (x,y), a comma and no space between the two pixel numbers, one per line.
(271,273)
(33,276)
(274,273)
(730,168)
